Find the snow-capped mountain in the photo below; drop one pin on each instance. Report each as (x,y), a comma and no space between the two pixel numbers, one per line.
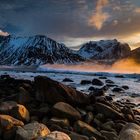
(39,49)
(35,50)
(104,49)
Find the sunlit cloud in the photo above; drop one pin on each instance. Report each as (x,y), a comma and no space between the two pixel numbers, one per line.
(137,10)
(99,17)
(3,33)
(72,22)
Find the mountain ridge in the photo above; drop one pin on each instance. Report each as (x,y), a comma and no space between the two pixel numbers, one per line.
(40,49)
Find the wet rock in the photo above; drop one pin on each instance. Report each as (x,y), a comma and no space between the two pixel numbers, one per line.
(109,81)
(85,129)
(92,138)
(27,86)
(6,107)
(67,80)
(56,135)
(9,134)
(32,131)
(109,126)
(85,82)
(119,76)
(59,121)
(100,117)
(125,87)
(128,113)
(117,89)
(97,92)
(55,127)
(64,110)
(97,123)
(15,110)
(89,117)
(119,127)
(97,82)
(75,136)
(20,112)
(110,135)
(5,76)
(108,112)
(130,131)
(48,90)
(109,98)
(102,77)
(43,110)
(34,119)
(23,96)
(91,88)
(7,122)
(90,108)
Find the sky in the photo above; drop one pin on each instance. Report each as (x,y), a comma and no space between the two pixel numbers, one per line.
(72,22)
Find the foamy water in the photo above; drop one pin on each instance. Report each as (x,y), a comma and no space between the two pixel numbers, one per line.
(132,80)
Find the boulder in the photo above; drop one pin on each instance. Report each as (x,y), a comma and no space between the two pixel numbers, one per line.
(6,107)
(85,129)
(56,135)
(7,122)
(15,110)
(64,110)
(108,112)
(32,131)
(85,82)
(125,87)
(97,92)
(59,121)
(110,135)
(89,117)
(23,96)
(75,136)
(8,134)
(117,89)
(109,81)
(48,90)
(102,77)
(130,131)
(67,80)
(109,126)
(97,82)
(21,113)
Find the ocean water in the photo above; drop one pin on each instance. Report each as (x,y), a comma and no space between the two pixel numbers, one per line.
(131,80)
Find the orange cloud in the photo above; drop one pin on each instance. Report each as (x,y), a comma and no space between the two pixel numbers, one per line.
(3,33)
(137,10)
(99,17)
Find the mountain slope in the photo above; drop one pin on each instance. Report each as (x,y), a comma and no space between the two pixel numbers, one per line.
(135,54)
(104,49)
(38,50)
(35,50)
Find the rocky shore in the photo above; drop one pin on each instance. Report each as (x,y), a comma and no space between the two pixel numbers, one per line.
(44,109)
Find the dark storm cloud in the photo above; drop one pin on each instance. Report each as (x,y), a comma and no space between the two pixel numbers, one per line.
(70,18)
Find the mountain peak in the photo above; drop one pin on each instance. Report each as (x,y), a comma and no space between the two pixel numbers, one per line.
(35,50)
(104,49)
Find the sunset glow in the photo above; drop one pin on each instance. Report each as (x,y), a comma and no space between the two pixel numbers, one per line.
(78,21)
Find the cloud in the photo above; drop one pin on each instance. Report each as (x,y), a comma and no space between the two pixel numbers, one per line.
(137,10)
(99,17)
(71,20)
(3,33)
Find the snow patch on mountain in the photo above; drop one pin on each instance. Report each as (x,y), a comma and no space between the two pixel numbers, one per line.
(35,50)
(104,49)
